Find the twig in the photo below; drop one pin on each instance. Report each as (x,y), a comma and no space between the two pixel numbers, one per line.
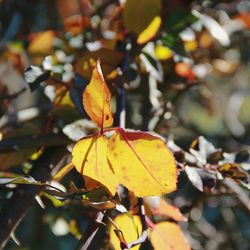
(88,237)
(23,197)
(144,233)
(15,95)
(32,141)
(241,195)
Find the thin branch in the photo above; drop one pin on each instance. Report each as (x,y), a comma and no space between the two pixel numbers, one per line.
(15,95)
(88,237)
(23,198)
(32,141)
(241,195)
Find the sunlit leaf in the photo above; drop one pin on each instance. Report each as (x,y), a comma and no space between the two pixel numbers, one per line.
(168,236)
(158,206)
(101,205)
(194,177)
(150,31)
(90,159)
(42,42)
(137,158)
(191,45)
(184,70)
(63,171)
(130,228)
(29,180)
(234,171)
(96,99)
(63,97)
(56,202)
(163,53)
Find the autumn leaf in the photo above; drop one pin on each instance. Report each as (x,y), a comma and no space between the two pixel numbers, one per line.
(138,158)
(168,236)
(116,156)
(234,171)
(150,31)
(96,99)
(158,206)
(42,42)
(90,159)
(184,70)
(130,228)
(163,53)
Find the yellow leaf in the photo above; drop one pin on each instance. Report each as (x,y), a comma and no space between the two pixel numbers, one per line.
(63,97)
(163,53)
(139,158)
(42,43)
(150,31)
(191,45)
(130,229)
(90,159)
(168,236)
(63,171)
(96,99)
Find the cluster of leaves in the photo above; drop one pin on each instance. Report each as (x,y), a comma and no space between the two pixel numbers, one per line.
(145,59)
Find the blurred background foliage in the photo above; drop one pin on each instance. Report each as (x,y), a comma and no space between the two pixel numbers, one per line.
(189,79)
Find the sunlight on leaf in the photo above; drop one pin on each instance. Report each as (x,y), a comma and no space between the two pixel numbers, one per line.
(168,236)
(63,172)
(158,206)
(163,52)
(138,158)
(150,31)
(96,99)
(90,159)
(42,42)
(130,229)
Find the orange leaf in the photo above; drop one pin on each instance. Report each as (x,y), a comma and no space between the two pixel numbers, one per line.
(168,236)
(137,158)
(150,31)
(90,159)
(75,24)
(96,99)
(158,206)
(130,229)
(184,70)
